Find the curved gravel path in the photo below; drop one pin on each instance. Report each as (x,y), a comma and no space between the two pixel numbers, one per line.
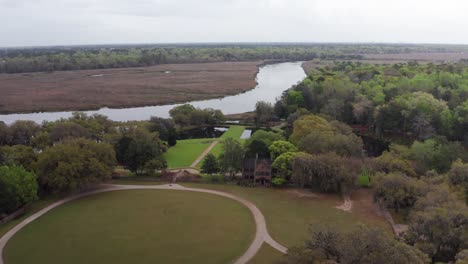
(261,233)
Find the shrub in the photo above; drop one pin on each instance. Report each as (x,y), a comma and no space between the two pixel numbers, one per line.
(17,188)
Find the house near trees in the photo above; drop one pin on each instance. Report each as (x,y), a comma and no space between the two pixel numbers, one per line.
(258,171)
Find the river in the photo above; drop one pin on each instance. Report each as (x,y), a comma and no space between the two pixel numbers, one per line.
(272,80)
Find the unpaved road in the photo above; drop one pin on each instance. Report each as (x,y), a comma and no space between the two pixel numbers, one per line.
(205,152)
(261,233)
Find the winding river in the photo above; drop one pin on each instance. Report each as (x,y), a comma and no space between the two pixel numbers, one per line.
(272,80)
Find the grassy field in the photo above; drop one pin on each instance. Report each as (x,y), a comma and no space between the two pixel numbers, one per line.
(138,226)
(291,212)
(266,255)
(185,152)
(233,132)
(125,87)
(33,208)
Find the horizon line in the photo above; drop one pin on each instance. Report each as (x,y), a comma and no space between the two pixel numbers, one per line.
(230,43)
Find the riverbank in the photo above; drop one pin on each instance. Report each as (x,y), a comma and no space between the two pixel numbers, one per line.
(123,88)
(272,81)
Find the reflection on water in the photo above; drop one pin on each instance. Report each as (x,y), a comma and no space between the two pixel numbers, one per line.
(272,81)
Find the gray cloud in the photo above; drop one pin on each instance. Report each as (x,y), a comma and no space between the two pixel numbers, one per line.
(61,22)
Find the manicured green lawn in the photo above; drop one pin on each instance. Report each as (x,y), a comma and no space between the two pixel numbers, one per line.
(185,152)
(137,226)
(233,132)
(267,255)
(289,214)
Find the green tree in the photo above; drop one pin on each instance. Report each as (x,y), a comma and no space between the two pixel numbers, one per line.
(360,245)
(210,164)
(308,124)
(4,134)
(458,174)
(141,150)
(165,128)
(19,155)
(17,188)
(264,112)
(66,130)
(284,165)
(74,165)
(267,137)
(439,230)
(390,162)
(329,172)
(280,147)
(22,132)
(182,114)
(438,154)
(256,148)
(397,191)
(232,154)
(152,166)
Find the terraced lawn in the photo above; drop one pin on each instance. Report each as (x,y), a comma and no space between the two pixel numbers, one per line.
(137,226)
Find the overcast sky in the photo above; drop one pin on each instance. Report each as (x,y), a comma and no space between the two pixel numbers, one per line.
(65,22)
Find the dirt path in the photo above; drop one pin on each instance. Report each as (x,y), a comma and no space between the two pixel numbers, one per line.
(261,233)
(398,229)
(347,204)
(202,156)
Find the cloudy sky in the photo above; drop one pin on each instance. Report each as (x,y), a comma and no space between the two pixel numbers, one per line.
(65,22)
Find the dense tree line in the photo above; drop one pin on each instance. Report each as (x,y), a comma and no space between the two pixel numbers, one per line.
(410,100)
(362,245)
(46,60)
(17,60)
(73,154)
(422,176)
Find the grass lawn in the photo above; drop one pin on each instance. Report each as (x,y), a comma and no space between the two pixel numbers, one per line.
(137,181)
(290,213)
(233,132)
(33,208)
(137,226)
(266,255)
(185,152)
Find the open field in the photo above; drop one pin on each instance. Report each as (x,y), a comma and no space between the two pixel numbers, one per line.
(33,208)
(93,89)
(185,152)
(233,132)
(138,226)
(266,255)
(290,213)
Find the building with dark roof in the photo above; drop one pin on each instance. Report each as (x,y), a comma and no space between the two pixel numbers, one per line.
(257,171)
